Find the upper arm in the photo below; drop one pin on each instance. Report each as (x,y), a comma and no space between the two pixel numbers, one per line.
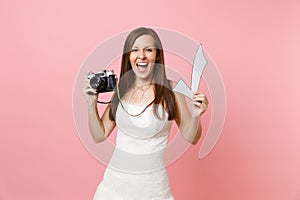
(108,124)
(183,115)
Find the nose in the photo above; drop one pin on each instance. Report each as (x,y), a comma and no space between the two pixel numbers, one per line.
(141,54)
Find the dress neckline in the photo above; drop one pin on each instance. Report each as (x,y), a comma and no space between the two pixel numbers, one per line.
(137,104)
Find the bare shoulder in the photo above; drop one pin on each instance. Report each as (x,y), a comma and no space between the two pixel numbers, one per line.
(178,96)
(172,83)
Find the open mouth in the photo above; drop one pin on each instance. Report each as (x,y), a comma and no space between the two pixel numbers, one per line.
(142,66)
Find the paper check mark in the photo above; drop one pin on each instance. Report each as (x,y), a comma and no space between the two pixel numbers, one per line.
(198,67)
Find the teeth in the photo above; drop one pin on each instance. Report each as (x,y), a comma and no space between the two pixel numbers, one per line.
(142,64)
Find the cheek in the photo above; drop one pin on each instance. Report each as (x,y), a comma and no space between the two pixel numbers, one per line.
(155,57)
(131,59)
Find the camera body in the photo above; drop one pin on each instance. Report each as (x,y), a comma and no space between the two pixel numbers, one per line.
(103,81)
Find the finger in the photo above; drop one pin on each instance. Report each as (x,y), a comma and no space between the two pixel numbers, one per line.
(197,104)
(87,81)
(87,86)
(199,95)
(203,106)
(199,99)
(197,92)
(90,91)
(89,76)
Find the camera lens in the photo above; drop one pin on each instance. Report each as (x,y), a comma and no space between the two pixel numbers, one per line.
(95,82)
(103,81)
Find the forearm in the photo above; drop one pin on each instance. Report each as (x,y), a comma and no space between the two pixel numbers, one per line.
(193,132)
(95,124)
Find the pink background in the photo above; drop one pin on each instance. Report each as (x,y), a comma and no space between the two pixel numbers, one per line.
(255,45)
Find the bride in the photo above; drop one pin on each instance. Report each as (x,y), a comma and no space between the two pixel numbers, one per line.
(143,107)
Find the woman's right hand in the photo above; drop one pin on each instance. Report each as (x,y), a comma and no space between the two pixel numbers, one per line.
(89,93)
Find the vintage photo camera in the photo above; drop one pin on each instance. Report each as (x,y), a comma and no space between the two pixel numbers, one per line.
(103,81)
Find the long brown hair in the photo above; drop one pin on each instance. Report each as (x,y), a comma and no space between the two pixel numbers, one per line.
(162,89)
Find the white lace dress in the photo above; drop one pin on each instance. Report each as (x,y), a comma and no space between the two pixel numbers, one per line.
(136,170)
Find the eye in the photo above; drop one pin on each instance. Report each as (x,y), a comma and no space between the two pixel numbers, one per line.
(134,50)
(149,50)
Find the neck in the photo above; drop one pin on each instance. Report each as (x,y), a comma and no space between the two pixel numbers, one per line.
(142,83)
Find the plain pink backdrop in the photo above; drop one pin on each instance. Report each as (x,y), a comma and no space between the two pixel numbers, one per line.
(255,45)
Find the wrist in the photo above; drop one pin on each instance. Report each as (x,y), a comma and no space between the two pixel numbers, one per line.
(196,117)
(92,105)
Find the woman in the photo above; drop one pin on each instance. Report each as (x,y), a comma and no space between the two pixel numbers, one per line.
(143,107)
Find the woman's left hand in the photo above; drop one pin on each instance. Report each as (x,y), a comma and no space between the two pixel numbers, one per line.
(200,104)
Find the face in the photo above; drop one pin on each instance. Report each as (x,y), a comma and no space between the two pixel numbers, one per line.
(142,57)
